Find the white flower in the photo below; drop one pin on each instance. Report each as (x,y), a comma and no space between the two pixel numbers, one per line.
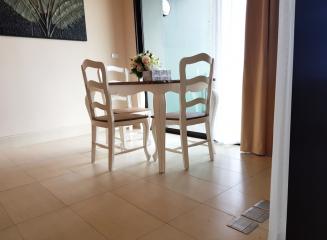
(146,60)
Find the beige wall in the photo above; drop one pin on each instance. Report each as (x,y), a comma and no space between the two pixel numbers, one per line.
(41,83)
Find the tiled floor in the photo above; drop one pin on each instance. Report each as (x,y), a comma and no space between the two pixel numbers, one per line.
(52,191)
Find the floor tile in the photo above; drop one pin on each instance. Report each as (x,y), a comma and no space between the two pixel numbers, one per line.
(71,188)
(108,180)
(188,185)
(206,223)
(72,161)
(5,220)
(265,225)
(114,180)
(228,150)
(65,147)
(29,201)
(116,218)
(159,201)
(257,186)
(42,173)
(55,166)
(10,234)
(248,166)
(27,155)
(220,176)
(13,177)
(133,201)
(92,170)
(166,233)
(63,225)
(233,202)
(5,163)
(174,161)
(142,170)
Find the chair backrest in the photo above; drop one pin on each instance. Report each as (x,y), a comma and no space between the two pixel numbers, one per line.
(120,70)
(97,84)
(125,73)
(195,84)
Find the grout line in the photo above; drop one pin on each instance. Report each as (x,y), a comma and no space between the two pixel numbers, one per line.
(7,213)
(141,209)
(89,224)
(125,201)
(153,230)
(19,232)
(43,214)
(183,194)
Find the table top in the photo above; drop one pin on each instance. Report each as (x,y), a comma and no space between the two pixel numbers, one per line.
(144,82)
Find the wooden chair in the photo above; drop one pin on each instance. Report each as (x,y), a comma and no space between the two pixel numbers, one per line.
(185,118)
(128,99)
(124,76)
(108,119)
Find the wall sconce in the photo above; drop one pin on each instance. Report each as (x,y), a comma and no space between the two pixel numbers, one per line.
(166,7)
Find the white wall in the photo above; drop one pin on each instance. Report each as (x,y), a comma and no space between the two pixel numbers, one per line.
(41,86)
(282,122)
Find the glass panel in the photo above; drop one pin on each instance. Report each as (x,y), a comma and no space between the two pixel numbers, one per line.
(187,30)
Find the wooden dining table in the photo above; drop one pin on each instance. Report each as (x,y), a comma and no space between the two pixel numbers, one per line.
(158,88)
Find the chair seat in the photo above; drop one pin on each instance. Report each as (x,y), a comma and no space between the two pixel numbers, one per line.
(189,115)
(130,110)
(122,117)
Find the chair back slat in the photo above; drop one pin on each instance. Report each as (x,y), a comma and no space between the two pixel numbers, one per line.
(94,87)
(125,78)
(198,79)
(99,106)
(196,101)
(112,68)
(195,84)
(120,70)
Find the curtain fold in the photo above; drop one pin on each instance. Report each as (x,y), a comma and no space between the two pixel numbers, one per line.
(260,61)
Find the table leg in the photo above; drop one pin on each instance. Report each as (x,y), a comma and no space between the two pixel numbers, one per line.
(159,107)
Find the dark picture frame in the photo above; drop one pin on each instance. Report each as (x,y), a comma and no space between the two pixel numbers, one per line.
(51,19)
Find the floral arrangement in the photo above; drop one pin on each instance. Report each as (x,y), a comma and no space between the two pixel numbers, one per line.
(143,62)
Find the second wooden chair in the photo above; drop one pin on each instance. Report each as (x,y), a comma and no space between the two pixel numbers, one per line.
(108,119)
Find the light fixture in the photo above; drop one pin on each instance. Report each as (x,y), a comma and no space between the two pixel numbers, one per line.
(166,7)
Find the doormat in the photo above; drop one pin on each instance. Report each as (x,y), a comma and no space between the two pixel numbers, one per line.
(264,204)
(256,214)
(243,225)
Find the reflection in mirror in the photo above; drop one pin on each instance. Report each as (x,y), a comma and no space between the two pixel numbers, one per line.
(166,7)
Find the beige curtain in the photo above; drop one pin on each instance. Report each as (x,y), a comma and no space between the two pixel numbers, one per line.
(259,76)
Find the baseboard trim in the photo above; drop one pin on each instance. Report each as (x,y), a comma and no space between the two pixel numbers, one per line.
(44,136)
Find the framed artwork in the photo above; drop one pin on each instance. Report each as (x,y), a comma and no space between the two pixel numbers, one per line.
(52,19)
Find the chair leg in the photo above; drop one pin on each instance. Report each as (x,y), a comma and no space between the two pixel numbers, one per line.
(130,131)
(111,147)
(122,138)
(183,130)
(94,139)
(106,133)
(150,121)
(208,132)
(145,138)
(155,154)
